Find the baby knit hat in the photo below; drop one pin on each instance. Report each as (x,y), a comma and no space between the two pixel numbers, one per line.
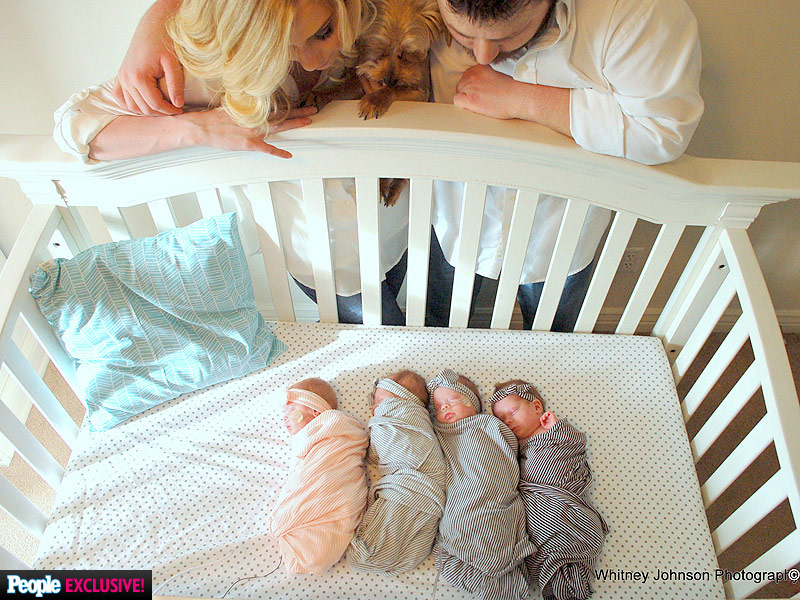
(523,390)
(400,391)
(449,379)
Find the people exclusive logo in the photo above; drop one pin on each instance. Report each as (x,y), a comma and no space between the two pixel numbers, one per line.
(48,584)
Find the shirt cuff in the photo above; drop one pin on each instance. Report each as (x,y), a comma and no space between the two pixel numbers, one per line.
(77,122)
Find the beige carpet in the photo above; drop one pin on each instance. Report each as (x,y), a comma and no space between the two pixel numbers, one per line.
(776,526)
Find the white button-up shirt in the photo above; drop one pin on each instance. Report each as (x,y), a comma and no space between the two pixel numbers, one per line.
(633,67)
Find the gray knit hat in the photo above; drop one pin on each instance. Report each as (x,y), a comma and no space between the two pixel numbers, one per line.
(449,379)
(398,390)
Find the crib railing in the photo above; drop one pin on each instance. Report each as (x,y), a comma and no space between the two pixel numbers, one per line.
(699,273)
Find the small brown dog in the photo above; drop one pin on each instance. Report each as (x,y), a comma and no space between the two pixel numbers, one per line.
(393,56)
(393,53)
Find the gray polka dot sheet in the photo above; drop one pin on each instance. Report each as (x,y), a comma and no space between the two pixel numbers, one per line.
(186,489)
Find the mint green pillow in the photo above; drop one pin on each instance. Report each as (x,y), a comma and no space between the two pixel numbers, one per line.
(150,319)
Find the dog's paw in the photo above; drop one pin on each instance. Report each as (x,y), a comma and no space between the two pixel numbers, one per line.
(391,189)
(375,104)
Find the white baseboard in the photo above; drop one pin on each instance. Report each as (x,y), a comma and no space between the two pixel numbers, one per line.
(789,320)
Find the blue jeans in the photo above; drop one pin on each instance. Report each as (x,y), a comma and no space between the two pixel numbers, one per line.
(350,309)
(440,293)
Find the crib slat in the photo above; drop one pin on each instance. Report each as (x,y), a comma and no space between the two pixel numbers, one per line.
(161,212)
(777,381)
(618,237)
(27,251)
(419,242)
(723,357)
(466,257)
(670,319)
(648,280)
(43,332)
(269,238)
(742,457)
(747,516)
(518,236)
(40,394)
(567,241)
(93,225)
(367,206)
(739,395)
(778,559)
(9,562)
(114,222)
(696,305)
(30,448)
(71,232)
(21,509)
(139,221)
(703,330)
(320,250)
(185,209)
(208,200)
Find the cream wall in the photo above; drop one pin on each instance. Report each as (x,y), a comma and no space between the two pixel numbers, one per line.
(751,83)
(751,86)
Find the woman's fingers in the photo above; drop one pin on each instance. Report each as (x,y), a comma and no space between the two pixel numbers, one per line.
(290,123)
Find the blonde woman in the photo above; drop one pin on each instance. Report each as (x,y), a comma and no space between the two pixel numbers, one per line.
(247,65)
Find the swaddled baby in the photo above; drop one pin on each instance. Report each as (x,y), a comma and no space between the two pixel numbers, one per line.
(554,476)
(407,501)
(482,532)
(324,498)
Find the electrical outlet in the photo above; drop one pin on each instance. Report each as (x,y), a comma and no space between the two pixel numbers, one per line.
(630,260)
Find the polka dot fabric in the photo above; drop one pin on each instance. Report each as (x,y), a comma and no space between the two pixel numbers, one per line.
(186,489)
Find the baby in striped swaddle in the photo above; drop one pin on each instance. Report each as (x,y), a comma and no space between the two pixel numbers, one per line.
(399,528)
(482,534)
(323,500)
(554,476)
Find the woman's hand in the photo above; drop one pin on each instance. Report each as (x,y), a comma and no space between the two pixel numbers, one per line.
(151,57)
(215,128)
(130,136)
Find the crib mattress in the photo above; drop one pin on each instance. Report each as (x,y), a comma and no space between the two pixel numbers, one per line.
(186,489)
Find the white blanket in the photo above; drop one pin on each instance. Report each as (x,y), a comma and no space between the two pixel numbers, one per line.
(191,484)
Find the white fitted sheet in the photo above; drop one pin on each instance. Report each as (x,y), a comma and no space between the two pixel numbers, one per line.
(187,488)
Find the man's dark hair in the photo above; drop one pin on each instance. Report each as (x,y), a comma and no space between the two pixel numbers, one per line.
(488,10)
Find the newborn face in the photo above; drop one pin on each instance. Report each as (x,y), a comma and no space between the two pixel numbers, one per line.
(451,406)
(521,416)
(378,396)
(296,416)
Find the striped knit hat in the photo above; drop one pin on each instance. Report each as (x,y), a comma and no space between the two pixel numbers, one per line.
(395,389)
(523,390)
(449,379)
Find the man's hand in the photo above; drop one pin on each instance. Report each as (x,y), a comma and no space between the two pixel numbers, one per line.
(150,57)
(487,92)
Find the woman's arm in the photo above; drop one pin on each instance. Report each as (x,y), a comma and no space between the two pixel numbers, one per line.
(132,136)
(149,58)
(92,124)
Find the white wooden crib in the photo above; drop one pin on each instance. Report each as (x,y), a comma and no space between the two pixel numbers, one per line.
(696,209)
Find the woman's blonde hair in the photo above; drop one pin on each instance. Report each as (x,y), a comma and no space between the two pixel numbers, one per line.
(244,44)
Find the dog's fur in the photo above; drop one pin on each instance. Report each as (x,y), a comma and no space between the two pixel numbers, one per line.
(393,52)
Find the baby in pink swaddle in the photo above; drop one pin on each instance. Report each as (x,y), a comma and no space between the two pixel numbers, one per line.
(325,496)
